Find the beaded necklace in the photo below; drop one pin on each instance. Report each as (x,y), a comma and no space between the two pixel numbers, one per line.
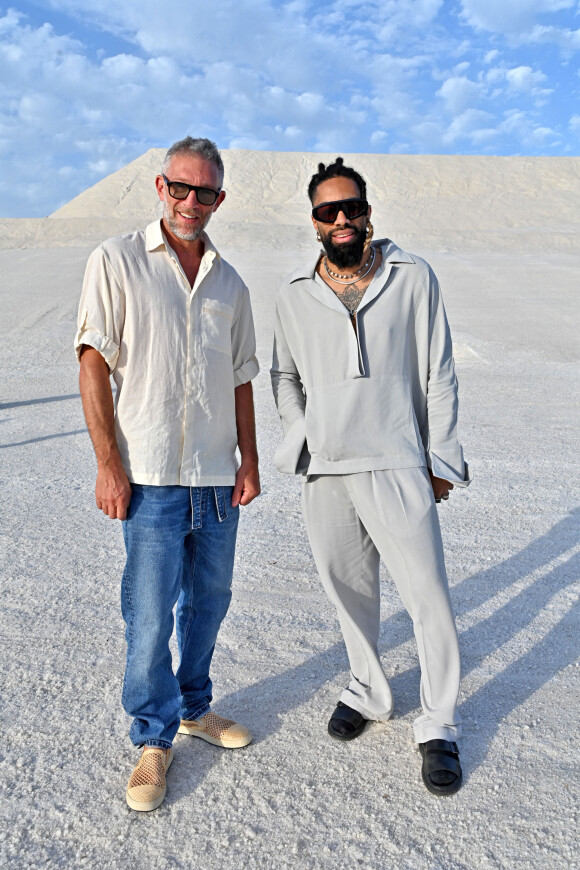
(352,279)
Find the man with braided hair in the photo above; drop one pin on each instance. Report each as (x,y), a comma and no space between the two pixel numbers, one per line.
(365,386)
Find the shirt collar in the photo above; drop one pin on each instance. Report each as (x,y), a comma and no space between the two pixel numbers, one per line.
(155,239)
(391,254)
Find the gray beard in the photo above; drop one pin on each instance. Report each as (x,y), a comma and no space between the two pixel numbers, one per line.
(184,235)
(190,236)
(345,256)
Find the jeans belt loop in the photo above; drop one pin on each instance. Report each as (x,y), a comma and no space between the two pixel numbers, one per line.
(195,498)
(220,503)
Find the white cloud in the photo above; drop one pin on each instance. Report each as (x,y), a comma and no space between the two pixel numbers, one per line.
(260,74)
(495,76)
(482,137)
(392,95)
(250,143)
(378,138)
(516,82)
(524,79)
(521,124)
(467,125)
(568,40)
(278,39)
(525,22)
(428,134)
(543,133)
(459,94)
(516,121)
(510,16)
(394,15)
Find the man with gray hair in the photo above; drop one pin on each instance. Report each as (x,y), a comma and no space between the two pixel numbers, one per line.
(171,321)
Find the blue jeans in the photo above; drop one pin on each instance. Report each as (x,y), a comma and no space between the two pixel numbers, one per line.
(180,544)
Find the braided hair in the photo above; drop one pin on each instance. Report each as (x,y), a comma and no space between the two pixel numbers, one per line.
(332,171)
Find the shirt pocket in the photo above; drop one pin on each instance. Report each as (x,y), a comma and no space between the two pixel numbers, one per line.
(216,325)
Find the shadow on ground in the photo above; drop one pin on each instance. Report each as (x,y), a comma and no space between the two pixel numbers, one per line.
(280,694)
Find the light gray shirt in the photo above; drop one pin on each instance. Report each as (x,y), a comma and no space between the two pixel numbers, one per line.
(383,396)
(176,354)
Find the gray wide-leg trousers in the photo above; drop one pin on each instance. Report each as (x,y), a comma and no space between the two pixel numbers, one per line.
(353,520)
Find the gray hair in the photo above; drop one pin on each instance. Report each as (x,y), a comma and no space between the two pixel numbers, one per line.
(202,147)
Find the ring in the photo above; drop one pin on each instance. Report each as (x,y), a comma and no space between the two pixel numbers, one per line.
(445,497)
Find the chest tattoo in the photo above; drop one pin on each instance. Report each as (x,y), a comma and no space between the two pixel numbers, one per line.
(350,296)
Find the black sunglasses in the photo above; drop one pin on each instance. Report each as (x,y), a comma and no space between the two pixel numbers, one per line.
(327,212)
(181,190)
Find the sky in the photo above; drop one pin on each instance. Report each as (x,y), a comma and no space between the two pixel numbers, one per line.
(86,86)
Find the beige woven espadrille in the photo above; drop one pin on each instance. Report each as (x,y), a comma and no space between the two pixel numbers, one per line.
(146,789)
(216,730)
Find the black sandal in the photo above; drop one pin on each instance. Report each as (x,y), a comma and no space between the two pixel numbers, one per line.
(441,770)
(346,723)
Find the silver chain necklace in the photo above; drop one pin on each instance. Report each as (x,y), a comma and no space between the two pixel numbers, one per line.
(352,279)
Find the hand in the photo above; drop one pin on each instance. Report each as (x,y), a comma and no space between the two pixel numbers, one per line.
(247,485)
(113,491)
(441,487)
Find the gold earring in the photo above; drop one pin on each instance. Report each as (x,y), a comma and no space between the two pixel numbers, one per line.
(370,233)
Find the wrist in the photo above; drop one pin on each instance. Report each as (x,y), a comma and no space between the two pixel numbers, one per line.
(109,460)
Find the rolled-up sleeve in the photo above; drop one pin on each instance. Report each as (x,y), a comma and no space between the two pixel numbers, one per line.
(244,358)
(101,310)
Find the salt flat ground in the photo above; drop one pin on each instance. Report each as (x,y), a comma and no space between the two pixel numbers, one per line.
(294,798)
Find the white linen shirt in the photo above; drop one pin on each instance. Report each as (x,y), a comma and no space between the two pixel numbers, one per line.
(176,354)
(382,397)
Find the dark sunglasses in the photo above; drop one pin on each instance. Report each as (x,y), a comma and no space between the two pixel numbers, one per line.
(327,212)
(181,190)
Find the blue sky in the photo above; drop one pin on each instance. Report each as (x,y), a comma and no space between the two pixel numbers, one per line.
(88,85)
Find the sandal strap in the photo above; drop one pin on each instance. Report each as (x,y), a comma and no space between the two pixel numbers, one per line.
(441,747)
(441,755)
(344,713)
